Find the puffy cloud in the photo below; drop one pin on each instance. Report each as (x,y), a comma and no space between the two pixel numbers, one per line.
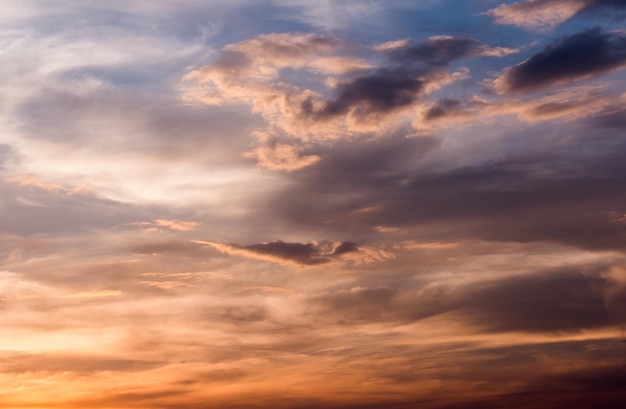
(349,90)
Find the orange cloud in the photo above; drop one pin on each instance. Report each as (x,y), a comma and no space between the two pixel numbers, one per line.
(180,225)
(282,157)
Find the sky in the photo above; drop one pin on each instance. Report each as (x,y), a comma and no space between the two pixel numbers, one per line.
(326,204)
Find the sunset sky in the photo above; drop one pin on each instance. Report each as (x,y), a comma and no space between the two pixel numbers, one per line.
(298,204)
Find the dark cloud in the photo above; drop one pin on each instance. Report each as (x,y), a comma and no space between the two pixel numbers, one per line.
(438,51)
(612,119)
(344,247)
(301,253)
(537,198)
(443,108)
(615,9)
(307,254)
(400,81)
(553,301)
(545,302)
(583,55)
(364,93)
(589,388)
(381,92)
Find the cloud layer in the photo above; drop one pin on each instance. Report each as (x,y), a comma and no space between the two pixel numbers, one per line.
(288,204)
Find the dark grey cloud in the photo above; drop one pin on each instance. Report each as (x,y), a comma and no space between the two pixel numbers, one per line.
(401,80)
(568,198)
(443,108)
(613,10)
(344,247)
(381,92)
(553,301)
(365,92)
(599,387)
(611,119)
(301,253)
(307,254)
(583,55)
(438,51)
(557,301)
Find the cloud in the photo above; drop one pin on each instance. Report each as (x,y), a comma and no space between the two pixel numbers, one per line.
(183,247)
(528,197)
(580,56)
(34,206)
(305,254)
(564,105)
(181,225)
(340,14)
(83,364)
(564,300)
(440,51)
(613,117)
(539,15)
(557,301)
(595,386)
(544,15)
(350,90)
(282,157)
(569,104)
